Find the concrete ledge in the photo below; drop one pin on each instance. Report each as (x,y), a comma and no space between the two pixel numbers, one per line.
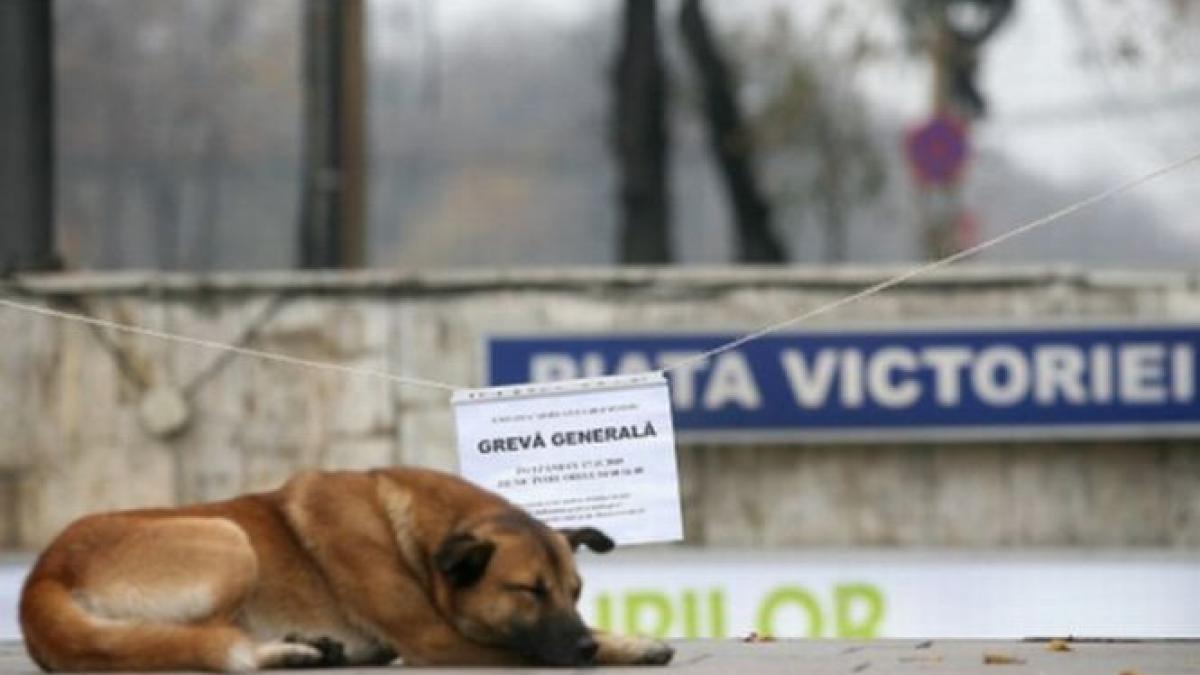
(816,657)
(550,278)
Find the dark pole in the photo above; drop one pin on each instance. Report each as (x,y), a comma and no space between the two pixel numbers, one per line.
(352,132)
(730,140)
(26,135)
(331,209)
(317,194)
(640,138)
(955,55)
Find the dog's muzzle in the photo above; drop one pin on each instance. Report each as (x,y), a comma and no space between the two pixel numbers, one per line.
(559,639)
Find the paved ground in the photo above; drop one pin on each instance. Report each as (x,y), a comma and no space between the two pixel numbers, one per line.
(817,657)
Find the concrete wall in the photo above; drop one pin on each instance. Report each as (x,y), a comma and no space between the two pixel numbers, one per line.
(74,439)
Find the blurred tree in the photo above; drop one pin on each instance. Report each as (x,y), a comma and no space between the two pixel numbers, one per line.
(810,125)
(640,137)
(805,123)
(731,142)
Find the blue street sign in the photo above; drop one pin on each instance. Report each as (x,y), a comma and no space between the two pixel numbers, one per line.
(896,384)
(937,150)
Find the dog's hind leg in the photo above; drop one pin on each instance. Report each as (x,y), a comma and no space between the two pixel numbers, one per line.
(141,593)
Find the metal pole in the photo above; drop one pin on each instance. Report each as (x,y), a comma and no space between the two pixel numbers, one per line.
(26,136)
(332,207)
(352,131)
(941,205)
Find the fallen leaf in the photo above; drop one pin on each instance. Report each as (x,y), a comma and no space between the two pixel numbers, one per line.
(1001,660)
(1057,645)
(755,638)
(923,645)
(852,649)
(927,658)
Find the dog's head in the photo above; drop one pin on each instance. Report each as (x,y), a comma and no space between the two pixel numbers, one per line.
(512,582)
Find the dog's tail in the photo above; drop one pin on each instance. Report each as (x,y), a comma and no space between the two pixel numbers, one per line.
(61,635)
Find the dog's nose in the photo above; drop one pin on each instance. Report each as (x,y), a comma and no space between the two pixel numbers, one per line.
(587,647)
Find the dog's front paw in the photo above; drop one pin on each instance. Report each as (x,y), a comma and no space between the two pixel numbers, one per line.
(270,655)
(621,650)
(656,653)
(329,653)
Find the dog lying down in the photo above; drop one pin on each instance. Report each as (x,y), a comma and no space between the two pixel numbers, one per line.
(334,568)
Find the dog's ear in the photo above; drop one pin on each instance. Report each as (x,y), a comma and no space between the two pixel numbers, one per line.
(590,537)
(463,558)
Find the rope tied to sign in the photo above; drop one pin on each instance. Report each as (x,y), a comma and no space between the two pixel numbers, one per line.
(918,270)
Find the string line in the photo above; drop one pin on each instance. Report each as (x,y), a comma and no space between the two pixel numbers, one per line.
(212,344)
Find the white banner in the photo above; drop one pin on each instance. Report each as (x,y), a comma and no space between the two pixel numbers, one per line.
(597,453)
(868,594)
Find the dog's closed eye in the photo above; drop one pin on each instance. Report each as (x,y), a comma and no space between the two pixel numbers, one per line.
(538,591)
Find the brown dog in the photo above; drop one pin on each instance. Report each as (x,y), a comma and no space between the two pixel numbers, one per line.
(334,568)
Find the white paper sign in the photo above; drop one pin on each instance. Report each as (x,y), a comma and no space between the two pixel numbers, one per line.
(595,453)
